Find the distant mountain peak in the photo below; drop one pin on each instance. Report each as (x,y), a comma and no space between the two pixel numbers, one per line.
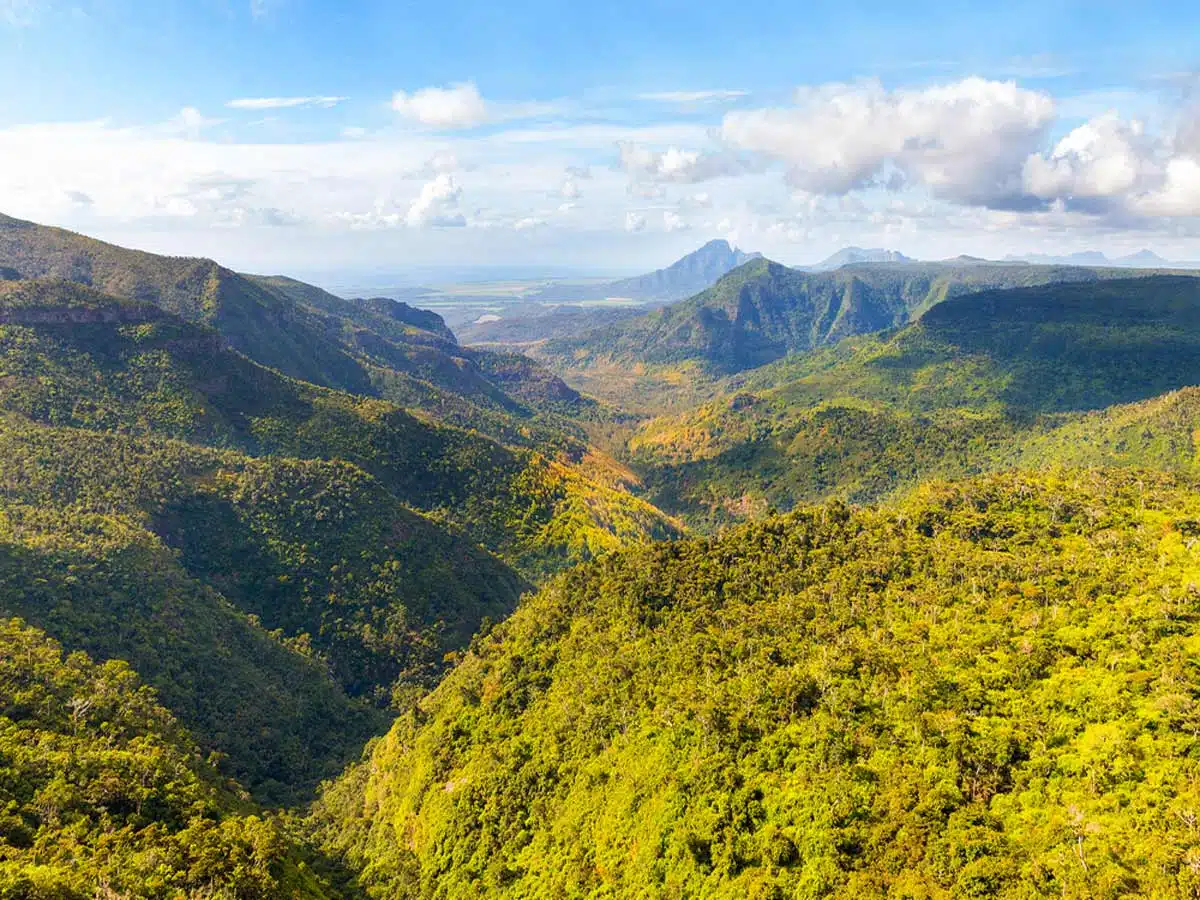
(1143,258)
(850,255)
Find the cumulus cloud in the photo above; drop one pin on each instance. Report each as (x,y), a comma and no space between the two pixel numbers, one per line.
(1098,163)
(260,103)
(674,164)
(1179,193)
(458,106)
(437,205)
(188,122)
(674,222)
(527,223)
(966,141)
(635,222)
(441,162)
(1111,166)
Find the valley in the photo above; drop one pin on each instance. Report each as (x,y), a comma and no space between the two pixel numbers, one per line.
(838,582)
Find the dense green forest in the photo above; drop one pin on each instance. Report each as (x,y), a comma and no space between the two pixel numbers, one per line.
(987,691)
(105,795)
(371,347)
(979,383)
(72,356)
(301,598)
(764,311)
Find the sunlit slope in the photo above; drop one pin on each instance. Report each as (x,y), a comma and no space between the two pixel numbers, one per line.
(977,383)
(73,357)
(106,795)
(980,693)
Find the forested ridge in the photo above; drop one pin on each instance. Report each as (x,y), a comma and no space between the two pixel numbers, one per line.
(1074,373)
(988,691)
(301,598)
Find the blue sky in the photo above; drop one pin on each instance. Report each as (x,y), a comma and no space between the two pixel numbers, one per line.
(307,136)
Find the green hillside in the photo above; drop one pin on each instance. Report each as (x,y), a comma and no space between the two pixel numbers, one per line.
(983,693)
(316,549)
(107,796)
(763,311)
(70,356)
(106,585)
(979,383)
(373,347)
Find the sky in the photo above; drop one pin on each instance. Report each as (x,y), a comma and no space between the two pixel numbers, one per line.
(359,138)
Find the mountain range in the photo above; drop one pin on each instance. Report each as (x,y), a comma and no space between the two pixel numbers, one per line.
(764,311)
(876,581)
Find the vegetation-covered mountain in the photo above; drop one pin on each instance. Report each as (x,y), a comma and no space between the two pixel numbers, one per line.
(106,585)
(316,549)
(374,347)
(983,693)
(981,382)
(105,795)
(980,690)
(71,356)
(275,585)
(764,311)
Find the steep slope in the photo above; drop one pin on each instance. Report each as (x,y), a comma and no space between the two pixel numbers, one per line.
(318,550)
(764,311)
(374,347)
(103,584)
(257,322)
(70,356)
(107,796)
(981,382)
(683,278)
(981,694)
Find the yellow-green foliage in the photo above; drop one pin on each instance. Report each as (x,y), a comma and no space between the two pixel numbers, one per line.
(987,692)
(317,552)
(138,370)
(103,794)
(980,383)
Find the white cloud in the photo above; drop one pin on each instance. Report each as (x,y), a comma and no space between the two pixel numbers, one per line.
(569,190)
(966,141)
(18,13)
(283,102)
(635,222)
(1179,193)
(437,205)
(188,122)
(674,222)
(457,106)
(1115,167)
(1101,160)
(527,223)
(688,97)
(674,164)
(442,162)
